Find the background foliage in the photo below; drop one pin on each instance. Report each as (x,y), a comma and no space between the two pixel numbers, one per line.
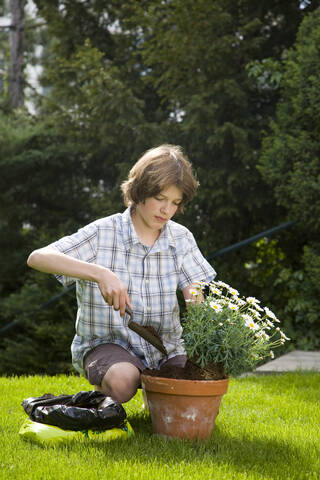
(227,80)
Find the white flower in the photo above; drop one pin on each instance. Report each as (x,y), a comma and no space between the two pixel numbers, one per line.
(283,335)
(233,291)
(222,284)
(215,290)
(255,313)
(239,301)
(270,324)
(194,292)
(252,300)
(265,326)
(250,323)
(270,314)
(271,354)
(220,324)
(257,307)
(262,334)
(202,285)
(215,306)
(233,306)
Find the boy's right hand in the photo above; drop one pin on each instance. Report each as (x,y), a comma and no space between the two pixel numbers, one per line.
(113,291)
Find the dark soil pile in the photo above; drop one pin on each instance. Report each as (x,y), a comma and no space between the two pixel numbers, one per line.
(191,371)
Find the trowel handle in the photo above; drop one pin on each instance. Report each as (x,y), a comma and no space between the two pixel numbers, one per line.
(129,312)
(145,333)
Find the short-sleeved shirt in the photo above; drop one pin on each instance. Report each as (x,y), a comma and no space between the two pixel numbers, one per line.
(152,276)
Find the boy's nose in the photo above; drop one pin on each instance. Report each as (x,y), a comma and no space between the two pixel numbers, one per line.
(165,209)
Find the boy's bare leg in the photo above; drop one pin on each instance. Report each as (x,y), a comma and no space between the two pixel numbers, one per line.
(120,382)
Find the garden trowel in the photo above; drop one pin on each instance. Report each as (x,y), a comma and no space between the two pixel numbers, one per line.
(145,333)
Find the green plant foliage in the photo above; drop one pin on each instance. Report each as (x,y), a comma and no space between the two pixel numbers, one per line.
(121,77)
(197,55)
(231,331)
(42,332)
(290,164)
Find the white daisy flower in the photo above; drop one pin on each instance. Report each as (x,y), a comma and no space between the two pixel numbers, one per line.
(257,307)
(222,284)
(202,285)
(239,301)
(233,306)
(265,326)
(233,291)
(270,324)
(251,324)
(270,314)
(255,313)
(194,292)
(271,354)
(252,300)
(215,306)
(215,290)
(283,335)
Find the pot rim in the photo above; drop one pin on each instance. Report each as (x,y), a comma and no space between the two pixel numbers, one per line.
(179,386)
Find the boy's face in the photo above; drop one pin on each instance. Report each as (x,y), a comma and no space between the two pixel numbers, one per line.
(156,211)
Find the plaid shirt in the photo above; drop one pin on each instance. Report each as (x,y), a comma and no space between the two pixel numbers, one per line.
(152,276)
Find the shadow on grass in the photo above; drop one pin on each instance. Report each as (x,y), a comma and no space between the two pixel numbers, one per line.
(270,457)
(266,456)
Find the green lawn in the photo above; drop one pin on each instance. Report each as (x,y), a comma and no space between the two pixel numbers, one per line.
(268,428)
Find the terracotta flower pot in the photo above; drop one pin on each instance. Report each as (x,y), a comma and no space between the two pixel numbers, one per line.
(183,408)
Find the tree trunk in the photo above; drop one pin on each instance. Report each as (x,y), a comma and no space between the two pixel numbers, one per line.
(16,81)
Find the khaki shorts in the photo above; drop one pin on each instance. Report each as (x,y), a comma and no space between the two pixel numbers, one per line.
(98,361)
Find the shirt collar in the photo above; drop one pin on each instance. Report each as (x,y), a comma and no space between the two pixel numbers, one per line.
(131,238)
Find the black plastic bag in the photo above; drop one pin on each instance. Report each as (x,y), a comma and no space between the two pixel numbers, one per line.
(82,411)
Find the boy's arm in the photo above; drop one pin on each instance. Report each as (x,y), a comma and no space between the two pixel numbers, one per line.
(51,260)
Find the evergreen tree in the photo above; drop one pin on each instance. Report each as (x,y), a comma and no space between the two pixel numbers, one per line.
(122,77)
(290,162)
(197,55)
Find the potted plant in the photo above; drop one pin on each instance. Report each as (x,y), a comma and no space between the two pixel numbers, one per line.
(224,335)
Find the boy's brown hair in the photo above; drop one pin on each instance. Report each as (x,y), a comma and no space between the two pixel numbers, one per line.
(157,169)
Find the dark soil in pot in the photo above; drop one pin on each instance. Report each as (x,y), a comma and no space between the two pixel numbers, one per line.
(191,371)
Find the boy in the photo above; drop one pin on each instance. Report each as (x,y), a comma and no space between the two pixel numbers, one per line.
(138,259)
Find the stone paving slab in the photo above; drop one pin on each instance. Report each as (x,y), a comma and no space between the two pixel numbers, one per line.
(290,362)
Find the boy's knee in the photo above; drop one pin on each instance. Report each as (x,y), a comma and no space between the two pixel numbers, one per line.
(121,383)
(122,394)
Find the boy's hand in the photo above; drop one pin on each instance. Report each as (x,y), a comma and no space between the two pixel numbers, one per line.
(114,291)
